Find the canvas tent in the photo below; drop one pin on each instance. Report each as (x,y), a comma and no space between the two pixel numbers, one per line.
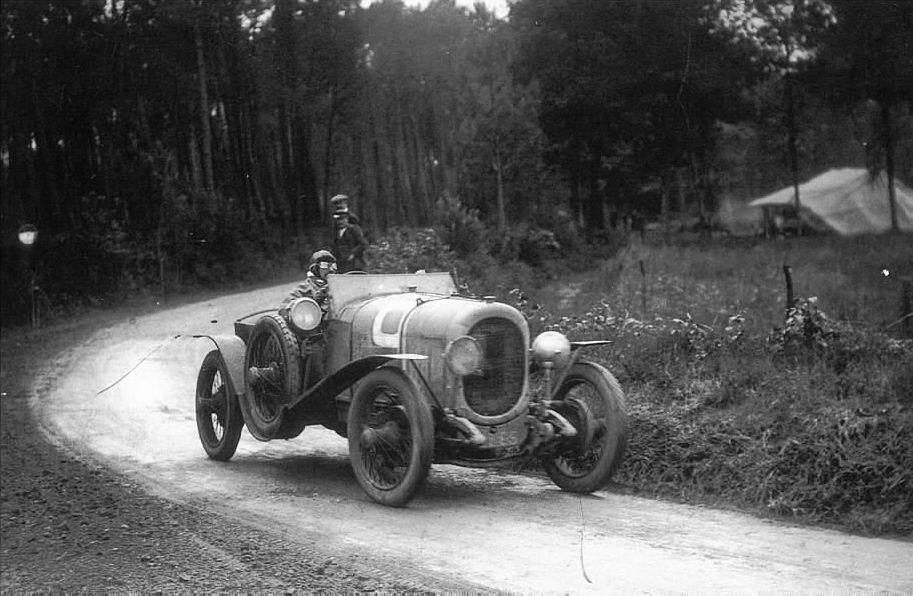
(848,201)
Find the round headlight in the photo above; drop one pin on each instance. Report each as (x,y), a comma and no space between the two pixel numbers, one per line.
(551,347)
(304,314)
(464,355)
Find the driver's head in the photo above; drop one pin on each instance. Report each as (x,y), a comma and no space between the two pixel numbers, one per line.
(322,263)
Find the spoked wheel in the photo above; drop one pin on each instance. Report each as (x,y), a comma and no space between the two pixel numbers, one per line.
(593,402)
(219,421)
(272,376)
(390,433)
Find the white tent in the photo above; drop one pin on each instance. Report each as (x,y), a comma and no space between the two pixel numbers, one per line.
(848,201)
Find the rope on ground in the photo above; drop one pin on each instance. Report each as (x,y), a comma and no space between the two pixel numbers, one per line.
(135,366)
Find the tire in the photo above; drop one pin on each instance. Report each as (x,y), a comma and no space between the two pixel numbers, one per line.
(593,402)
(272,373)
(219,420)
(391,437)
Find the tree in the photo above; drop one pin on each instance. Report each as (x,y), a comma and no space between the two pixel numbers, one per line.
(869,56)
(780,38)
(630,91)
(500,142)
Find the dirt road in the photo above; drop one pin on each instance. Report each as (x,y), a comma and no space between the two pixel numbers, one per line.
(468,529)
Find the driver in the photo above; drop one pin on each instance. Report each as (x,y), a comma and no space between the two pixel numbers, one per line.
(315,284)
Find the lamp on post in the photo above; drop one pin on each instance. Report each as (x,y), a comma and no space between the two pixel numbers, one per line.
(28,235)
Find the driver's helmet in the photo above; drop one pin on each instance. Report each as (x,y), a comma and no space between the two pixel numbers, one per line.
(322,262)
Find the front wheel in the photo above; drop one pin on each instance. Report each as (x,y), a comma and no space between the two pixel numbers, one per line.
(219,421)
(391,434)
(593,402)
(272,377)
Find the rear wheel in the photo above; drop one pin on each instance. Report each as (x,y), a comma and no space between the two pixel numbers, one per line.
(219,421)
(593,402)
(390,431)
(272,371)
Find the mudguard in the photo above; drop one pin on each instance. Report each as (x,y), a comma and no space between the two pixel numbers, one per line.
(232,349)
(345,377)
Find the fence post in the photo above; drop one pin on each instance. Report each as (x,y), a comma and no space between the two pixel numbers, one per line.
(906,308)
(643,289)
(788,274)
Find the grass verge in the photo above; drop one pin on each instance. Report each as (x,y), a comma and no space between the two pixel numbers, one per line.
(734,401)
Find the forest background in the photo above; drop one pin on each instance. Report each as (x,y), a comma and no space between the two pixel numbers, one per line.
(160,145)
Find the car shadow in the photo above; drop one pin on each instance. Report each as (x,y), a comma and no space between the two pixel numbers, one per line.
(330,476)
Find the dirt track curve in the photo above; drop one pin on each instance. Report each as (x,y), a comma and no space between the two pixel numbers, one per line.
(468,529)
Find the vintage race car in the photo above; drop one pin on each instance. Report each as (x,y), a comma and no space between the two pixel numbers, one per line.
(412,373)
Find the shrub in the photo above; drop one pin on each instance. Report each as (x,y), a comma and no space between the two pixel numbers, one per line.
(405,250)
(459,228)
(810,421)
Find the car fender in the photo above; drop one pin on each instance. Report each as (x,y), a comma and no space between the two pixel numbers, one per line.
(232,349)
(340,380)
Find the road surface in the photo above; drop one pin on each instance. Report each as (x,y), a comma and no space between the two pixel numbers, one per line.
(467,528)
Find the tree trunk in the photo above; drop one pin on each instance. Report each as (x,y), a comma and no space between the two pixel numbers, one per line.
(196,174)
(665,206)
(406,210)
(328,153)
(382,211)
(502,217)
(576,204)
(283,20)
(413,167)
(887,132)
(309,203)
(792,128)
(396,170)
(204,111)
(422,164)
(595,207)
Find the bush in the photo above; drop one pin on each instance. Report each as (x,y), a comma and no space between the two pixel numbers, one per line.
(405,250)
(810,421)
(459,228)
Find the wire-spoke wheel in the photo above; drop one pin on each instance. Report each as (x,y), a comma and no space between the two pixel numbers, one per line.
(219,420)
(593,402)
(272,372)
(390,431)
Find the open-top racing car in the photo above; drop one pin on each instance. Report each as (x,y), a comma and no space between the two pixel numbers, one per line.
(412,373)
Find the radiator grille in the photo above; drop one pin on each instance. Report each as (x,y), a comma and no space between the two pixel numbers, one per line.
(500,385)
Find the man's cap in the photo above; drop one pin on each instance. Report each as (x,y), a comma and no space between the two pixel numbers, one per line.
(340,205)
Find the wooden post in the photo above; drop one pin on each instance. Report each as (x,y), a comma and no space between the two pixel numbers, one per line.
(643,289)
(788,274)
(906,308)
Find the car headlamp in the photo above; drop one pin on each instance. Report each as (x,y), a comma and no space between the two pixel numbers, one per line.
(304,314)
(464,355)
(551,348)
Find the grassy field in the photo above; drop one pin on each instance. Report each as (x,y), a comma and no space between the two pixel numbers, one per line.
(846,275)
(734,403)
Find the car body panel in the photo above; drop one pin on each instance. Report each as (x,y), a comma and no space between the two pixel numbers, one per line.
(232,350)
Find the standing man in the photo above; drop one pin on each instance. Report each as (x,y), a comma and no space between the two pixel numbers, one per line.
(348,239)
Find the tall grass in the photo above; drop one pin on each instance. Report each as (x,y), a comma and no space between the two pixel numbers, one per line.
(846,275)
(734,403)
